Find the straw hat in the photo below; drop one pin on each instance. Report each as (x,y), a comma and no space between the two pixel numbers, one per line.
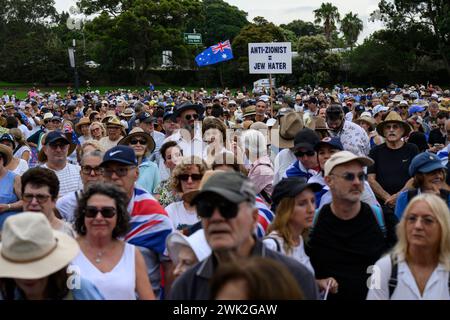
(7,154)
(369,120)
(31,249)
(249,111)
(393,117)
(321,124)
(139,132)
(289,125)
(127,113)
(114,122)
(42,157)
(83,121)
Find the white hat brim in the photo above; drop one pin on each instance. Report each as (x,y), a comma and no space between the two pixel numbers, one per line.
(65,251)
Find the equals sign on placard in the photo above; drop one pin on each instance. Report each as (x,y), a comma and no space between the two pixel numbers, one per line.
(270,58)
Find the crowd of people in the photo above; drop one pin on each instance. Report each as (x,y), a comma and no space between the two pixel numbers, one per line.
(308,193)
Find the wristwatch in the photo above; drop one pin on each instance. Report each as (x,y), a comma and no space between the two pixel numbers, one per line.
(9,206)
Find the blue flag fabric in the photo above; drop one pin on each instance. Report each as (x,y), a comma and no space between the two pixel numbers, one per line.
(215,54)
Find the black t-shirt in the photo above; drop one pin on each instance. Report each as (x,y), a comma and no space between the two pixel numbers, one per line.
(391,165)
(343,249)
(436,136)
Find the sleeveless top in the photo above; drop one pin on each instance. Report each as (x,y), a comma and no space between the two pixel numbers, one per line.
(7,195)
(117,284)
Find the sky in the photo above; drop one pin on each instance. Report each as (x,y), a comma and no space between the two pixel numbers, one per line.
(284,11)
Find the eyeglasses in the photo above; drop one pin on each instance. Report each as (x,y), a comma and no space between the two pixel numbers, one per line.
(136,141)
(106,212)
(95,129)
(301,154)
(88,170)
(227,209)
(350,176)
(191,116)
(185,177)
(427,220)
(120,172)
(55,146)
(41,198)
(392,126)
(98,119)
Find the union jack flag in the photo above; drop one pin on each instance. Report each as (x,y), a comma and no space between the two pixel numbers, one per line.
(149,224)
(221,46)
(265,217)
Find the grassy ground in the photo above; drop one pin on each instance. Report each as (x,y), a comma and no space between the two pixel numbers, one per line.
(21,89)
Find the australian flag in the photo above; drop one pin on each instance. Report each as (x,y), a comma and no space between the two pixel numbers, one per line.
(215,54)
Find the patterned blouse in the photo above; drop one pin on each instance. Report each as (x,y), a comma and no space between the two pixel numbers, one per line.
(166,195)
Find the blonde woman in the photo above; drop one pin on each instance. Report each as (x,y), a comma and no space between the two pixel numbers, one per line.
(97,130)
(294,203)
(91,145)
(418,267)
(22,150)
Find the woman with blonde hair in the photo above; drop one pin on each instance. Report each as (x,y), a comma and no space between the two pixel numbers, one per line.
(418,267)
(97,130)
(91,145)
(294,203)
(185,178)
(22,150)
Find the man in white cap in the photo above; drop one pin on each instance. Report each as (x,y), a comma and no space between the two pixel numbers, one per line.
(348,235)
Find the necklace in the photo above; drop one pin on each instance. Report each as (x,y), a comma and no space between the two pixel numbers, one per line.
(99,256)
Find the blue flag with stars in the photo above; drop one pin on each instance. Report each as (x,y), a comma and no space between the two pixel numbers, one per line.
(215,54)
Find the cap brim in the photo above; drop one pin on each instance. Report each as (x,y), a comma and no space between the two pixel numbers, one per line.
(117,161)
(66,250)
(324,143)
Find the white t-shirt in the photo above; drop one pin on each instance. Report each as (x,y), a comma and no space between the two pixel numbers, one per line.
(21,168)
(298,253)
(69,178)
(21,150)
(179,216)
(67,205)
(26,133)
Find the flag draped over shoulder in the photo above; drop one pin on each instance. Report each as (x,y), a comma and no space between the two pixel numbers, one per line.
(149,223)
(265,217)
(215,54)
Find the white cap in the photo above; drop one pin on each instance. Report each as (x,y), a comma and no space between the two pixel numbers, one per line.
(196,241)
(342,157)
(379,108)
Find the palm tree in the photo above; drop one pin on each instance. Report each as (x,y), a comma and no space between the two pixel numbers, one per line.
(351,27)
(329,15)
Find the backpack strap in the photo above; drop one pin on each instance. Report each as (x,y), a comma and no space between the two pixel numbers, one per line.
(379,217)
(276,242)
(393,279)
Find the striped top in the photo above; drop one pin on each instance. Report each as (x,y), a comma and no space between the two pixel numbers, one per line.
(69,178)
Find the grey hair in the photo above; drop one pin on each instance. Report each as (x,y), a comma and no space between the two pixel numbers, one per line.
(92,154)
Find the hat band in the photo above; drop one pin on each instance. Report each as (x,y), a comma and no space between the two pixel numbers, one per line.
(33,259)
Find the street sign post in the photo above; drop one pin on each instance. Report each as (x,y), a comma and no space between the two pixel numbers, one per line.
(193,38)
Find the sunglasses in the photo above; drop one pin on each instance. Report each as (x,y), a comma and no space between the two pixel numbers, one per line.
(392,126)
(227,209)
(136,141)
(88,170)
(349,176)
(41,198)
(98,119)
(120,172)
(106,212)
(55,146)
(191,116)
(301,154)
(185,177)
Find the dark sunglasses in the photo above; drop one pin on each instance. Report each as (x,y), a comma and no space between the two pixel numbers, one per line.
(140,141)
(300,154)
(55,146)
(227,209)
(349,176)
(191,116)
(88,170)
(120,172)
(106,212)
(185,177)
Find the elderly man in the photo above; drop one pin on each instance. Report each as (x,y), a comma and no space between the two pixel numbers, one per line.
(188,137)
(90,173)
(226,205)
(115,131)
(348,235)
(56,147)
(389,175)
(353,137)
(149,222)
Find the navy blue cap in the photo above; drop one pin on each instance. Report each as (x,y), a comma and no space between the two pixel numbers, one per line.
(168,115)
(415,108)
(359,108)
(146,117)
(54,136)
(122,154)
(425,162)
(8,137)
(291,187)
(334,143)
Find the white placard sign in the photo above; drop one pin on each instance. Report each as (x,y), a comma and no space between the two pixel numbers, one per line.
(270,57)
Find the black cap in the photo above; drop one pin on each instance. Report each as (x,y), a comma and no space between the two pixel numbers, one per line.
(291,187)
(146,117)
(54,136)
(306,138)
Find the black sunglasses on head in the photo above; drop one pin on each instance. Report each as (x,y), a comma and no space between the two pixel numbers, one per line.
(227,209)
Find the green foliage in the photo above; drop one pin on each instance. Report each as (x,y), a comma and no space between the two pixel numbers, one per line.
(351,27)
(302,28)
(327,14)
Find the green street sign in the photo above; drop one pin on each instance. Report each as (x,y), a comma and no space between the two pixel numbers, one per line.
(193,38)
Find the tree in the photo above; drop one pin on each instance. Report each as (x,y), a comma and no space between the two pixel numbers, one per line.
(315,63)
(329,15)
(431,15)
(222,21)
(351,27)
(302,28)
